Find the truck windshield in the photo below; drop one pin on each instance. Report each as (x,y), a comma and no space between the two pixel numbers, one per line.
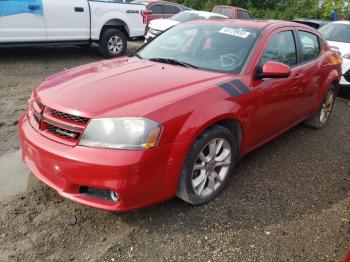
(219,48)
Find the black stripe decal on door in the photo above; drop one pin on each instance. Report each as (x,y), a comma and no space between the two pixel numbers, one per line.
(230,89)
(241,86)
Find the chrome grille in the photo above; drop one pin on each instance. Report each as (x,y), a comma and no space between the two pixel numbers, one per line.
(69,116)
(36,118)
(62,132)
(40,105)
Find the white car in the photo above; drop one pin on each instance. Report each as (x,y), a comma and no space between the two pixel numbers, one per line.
(56,22)
(338,37)
(157,26)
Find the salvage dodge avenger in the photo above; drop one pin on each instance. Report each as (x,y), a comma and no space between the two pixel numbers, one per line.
(174,117)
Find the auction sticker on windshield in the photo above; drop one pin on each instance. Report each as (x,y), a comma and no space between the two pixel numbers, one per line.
(240,32)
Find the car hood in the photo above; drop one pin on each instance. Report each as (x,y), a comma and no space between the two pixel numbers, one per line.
(344,48)
(162,24)
(112,88)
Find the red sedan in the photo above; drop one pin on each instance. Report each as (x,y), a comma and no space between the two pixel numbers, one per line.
(174,118)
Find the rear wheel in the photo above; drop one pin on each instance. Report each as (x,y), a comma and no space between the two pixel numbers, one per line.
(113,43)
(207,166)
(320,119)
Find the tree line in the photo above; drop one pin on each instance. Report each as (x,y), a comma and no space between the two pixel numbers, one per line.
(280,9)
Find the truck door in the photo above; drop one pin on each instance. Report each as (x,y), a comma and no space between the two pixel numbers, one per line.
(22,21)
(67,20)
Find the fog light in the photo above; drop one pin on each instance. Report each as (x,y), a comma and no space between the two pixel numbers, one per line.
(114,196)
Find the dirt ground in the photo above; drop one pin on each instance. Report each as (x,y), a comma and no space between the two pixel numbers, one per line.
(288,201)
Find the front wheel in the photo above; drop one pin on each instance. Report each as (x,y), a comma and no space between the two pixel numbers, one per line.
(113,43)
(207,166)
(320,119)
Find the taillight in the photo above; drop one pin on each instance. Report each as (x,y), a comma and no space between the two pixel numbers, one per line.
(336,58)
(145,15)
(346,56)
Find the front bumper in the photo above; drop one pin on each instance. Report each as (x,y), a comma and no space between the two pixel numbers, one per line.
(140,178)
(151,33)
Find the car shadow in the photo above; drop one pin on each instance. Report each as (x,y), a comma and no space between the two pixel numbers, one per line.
(69,52)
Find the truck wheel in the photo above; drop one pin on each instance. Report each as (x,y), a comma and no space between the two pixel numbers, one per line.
(208,166)
(113,43)
(321,117)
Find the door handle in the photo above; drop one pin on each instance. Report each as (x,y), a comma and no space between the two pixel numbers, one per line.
(79,9)
(298,76)
(34,7)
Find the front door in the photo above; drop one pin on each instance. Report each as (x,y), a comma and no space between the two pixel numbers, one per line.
(22,21)
(279,98)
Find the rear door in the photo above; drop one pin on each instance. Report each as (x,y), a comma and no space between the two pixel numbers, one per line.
(67,20)
(315,73)
(22,21)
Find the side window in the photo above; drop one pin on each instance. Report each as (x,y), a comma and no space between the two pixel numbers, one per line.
(247,16)
(217,9)
(170,9)
(281,48)
(310,45)
(227,11)
(156,9)
(240,14)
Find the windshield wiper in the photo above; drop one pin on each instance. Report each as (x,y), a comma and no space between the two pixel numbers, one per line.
(135,54)
(173,62)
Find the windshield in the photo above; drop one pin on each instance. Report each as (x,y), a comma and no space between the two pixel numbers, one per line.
(219,48)
(336,32)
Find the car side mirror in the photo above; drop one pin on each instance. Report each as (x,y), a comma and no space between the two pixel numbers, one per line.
(274,70)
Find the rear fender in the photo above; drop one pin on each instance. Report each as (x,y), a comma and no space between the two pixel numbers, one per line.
(332,78)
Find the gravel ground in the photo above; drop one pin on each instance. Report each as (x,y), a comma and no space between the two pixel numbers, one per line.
(288,201)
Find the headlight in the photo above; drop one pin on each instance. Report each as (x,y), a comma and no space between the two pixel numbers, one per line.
(121,133)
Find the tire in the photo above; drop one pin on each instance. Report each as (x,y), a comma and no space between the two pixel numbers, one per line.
(113,43)
(320,119)
(190,189)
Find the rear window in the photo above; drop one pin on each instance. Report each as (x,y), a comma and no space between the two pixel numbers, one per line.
(171,9)
(157,9)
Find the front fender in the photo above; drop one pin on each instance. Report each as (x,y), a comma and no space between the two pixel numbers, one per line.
(206,116)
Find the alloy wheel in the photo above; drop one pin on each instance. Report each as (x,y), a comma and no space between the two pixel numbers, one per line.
(327,107)
(115,44)
(211,167)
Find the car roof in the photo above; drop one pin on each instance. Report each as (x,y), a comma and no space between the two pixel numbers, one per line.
(231,6)
(204,13)
(256,24)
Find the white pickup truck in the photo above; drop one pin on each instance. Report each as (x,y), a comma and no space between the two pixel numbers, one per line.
(58,22)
